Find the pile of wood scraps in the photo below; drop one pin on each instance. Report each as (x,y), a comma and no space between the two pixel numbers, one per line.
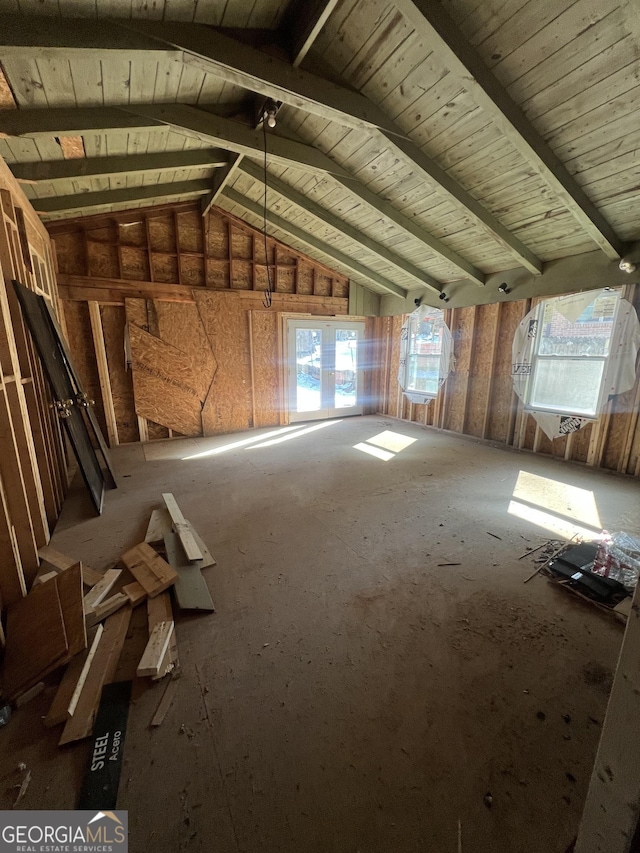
(78,618)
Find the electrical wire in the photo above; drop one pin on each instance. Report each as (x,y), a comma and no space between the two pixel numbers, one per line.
(267,300)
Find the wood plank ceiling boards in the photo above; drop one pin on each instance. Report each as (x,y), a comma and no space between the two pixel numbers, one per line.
(427,146)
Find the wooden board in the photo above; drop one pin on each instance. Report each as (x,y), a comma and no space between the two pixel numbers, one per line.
(99,592)
(159,609)
(61,562)
(36,638)
(59,710)
(191,590)
(152,572)
(182,528)
(69,585)
(113,325)
(165,704)
(109,606)
(101,672)
(135,593)
(159,523)
(165,387)
(154,653)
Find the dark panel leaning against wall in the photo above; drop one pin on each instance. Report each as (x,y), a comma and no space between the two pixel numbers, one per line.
(478,398)
(184,298)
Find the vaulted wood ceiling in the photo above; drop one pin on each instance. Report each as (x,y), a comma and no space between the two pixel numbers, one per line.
(416,143)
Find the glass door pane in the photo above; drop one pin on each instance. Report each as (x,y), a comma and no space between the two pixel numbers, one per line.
(308,370)
(346,368)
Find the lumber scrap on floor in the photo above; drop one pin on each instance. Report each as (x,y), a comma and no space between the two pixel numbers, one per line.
(207,557)
(135,593)
(160,610)
(153,573)
(99,592)
(154,654)
(101,672)
(182,528)
(60,562)
(190,589)
(36,639)
(159,523)
(69,585)
(43,578)
(59,709)
(164,704)
(107,607)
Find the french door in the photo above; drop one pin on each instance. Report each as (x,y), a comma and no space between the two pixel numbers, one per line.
(325,376)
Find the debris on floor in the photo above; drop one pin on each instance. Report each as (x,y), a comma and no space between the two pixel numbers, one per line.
(76,621)
(604,572)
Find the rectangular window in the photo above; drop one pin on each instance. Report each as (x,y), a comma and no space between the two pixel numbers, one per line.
(424,349)
(570,356)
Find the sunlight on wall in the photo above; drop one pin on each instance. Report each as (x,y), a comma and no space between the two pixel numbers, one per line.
(555,506)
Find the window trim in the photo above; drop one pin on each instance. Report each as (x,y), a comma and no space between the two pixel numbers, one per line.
(535,357)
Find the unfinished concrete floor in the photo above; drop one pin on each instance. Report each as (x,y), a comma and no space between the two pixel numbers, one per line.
(350,694)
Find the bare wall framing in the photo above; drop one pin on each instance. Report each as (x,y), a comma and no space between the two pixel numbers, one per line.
(478,399)
(33,464)
(167,323)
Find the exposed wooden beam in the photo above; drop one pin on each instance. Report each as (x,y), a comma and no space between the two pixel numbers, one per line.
(328,218)
(220,180)
(438,29)
(73,121)
(211,128)
(235,136)
(303,23)
(437,246)
(242,65)
(104,198)
(311,240)
(107,167)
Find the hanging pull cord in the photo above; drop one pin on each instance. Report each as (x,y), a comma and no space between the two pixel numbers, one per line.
(267,300)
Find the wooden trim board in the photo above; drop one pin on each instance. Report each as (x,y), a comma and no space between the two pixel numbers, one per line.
(152,572)
(182,528)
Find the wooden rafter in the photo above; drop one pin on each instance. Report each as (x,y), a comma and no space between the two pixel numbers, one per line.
(437,28)
(242,65)
(108,167)
(303,23)
(328,218)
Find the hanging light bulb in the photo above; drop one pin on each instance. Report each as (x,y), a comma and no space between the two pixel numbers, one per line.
(270,111)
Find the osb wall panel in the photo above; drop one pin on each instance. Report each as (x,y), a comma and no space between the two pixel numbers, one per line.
(266,370)
(228,404)
(503,402)
(478,397)
(166,384)
(113,327)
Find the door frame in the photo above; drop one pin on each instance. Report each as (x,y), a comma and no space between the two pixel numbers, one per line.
(283,354)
